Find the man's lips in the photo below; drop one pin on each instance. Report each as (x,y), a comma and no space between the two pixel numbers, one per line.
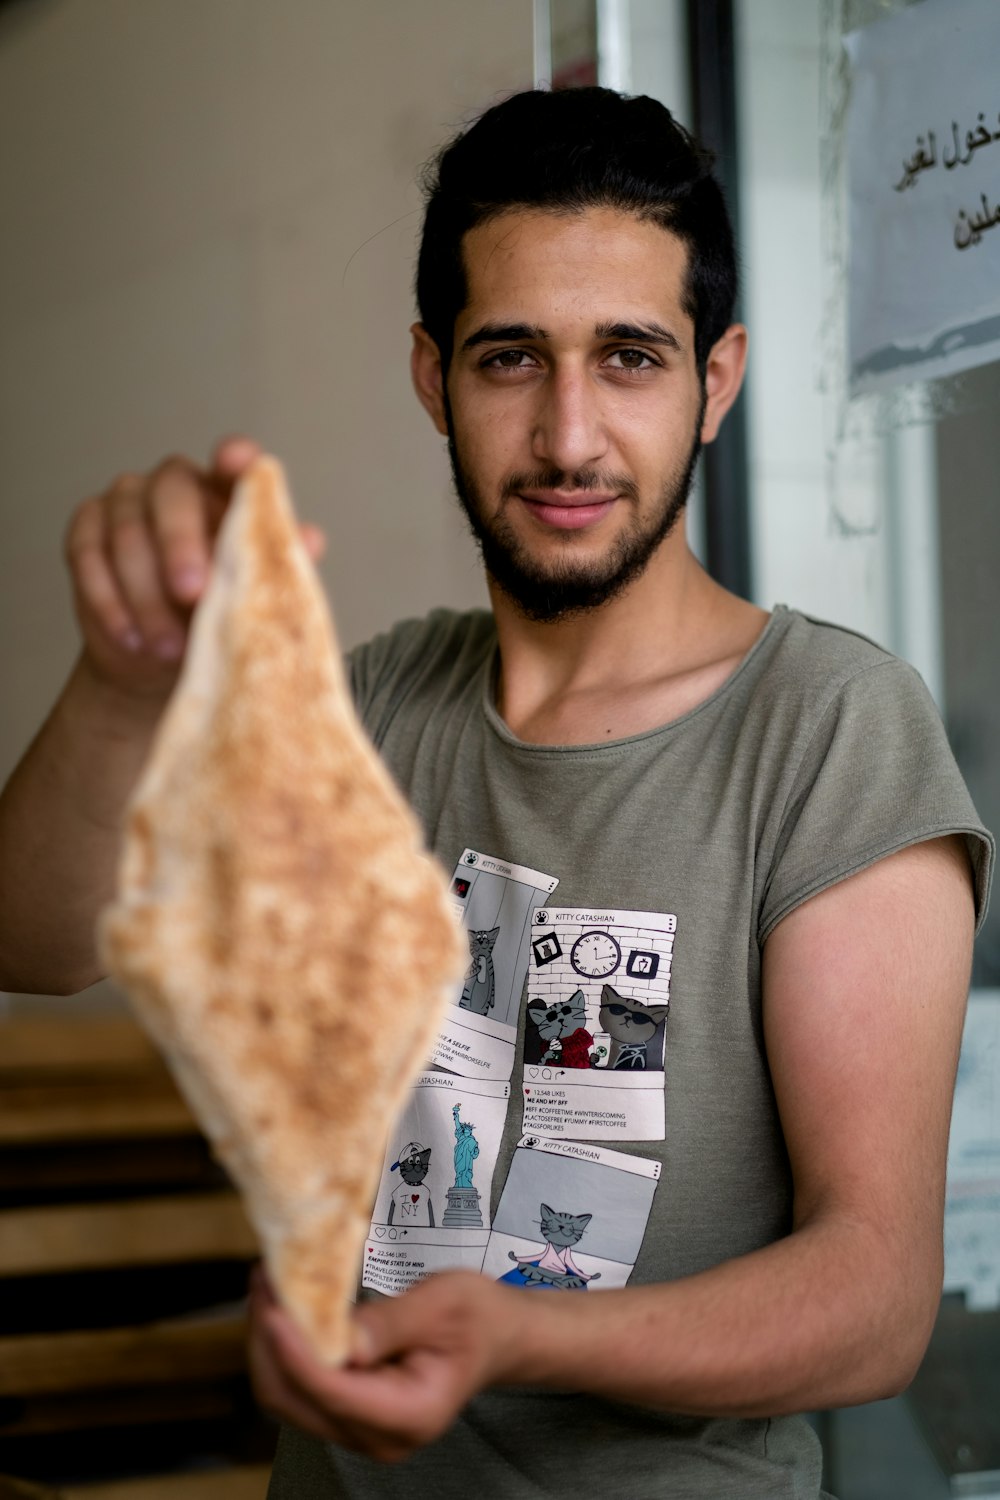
(567,510)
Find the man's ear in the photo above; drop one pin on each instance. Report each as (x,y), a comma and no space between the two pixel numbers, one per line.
(723,377)
(428,376)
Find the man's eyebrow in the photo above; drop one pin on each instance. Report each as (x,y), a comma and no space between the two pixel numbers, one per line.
(633,333)
(639,333)
(503,333)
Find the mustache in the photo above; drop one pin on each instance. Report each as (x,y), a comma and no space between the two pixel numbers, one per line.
(558,479)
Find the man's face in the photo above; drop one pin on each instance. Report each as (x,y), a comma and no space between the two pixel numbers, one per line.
(574,402)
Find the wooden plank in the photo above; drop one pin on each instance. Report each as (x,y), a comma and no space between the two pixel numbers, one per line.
(145,1231)
(157,1354)
(48,1168)
(20,1489)
(248,1482)
(94,1110)
(75,1045)
(77,1411)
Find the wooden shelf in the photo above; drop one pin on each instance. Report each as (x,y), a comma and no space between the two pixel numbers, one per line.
(148,1231)
(182,1349)
(87,1079)
(122,1407)
(65,1112)
(120,1242)
(103,1043)
(246,1483)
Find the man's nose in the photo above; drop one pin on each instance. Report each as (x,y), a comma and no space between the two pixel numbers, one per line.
(569,432)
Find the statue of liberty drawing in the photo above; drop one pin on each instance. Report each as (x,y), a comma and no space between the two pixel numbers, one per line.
(466,1149)
(463,1209)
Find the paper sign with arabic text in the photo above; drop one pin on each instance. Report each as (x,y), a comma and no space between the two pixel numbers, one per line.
(923,176)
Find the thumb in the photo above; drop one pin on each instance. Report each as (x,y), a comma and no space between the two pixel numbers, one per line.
(232,455)
(373,1337)
(391,1327)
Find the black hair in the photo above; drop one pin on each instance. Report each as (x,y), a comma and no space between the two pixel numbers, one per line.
(565,151)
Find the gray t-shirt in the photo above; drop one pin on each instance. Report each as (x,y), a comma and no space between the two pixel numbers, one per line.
(676,851)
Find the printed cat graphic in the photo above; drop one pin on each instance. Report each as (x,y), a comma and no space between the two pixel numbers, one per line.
(479,982)
(635,1029)
(411,1201)
(553,1269)
(561,1026)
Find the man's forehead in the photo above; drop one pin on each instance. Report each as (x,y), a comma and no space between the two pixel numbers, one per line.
(624,269)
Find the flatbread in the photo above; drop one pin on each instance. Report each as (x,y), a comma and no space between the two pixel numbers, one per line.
(279,929)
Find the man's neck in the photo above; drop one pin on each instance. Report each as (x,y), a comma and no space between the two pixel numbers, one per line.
(641,660)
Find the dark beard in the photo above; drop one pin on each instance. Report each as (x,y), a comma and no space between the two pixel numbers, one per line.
(547,594)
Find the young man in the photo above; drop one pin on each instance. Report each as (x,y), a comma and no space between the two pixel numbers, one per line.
(773,798)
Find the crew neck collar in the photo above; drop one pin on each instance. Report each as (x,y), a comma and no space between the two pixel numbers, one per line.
(777,622)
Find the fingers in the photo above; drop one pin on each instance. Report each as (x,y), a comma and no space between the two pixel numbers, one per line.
(289,1383)
(416,1360)
(278,1393)
(184,511)
(230,458)
(132,550)
(385,1412)
(139,557)
(95,586)
(444,1314)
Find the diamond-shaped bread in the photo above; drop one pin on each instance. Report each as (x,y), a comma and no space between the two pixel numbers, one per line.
(278,927)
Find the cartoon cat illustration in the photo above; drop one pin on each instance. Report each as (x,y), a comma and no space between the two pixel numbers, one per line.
(553,1269)
(479,982)
(561,1025)
(632,1026)
(411,1201)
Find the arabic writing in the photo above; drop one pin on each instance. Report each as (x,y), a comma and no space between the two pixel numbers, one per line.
(970,228)
(952,156)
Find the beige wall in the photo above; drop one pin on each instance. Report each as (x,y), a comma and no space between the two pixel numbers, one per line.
(209,213)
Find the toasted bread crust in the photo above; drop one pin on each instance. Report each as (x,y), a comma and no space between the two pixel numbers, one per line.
(279,929)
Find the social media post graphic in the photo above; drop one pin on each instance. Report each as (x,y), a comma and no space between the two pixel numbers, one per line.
(595,1017)
(433,1203)
(495,900)
(571,1217)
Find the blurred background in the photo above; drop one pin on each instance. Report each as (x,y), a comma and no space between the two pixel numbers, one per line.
(209,219)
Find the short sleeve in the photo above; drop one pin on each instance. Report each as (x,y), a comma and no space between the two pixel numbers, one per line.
(414,660)
(367,666)
(877,775)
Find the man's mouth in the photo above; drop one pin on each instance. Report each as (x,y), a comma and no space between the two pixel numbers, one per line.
(567,510)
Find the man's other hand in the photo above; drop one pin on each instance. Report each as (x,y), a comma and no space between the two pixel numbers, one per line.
(415,1361)
(139,557)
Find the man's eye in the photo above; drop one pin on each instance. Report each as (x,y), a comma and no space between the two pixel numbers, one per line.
(507,359)
(633,359)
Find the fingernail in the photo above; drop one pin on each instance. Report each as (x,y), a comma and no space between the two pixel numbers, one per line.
(168,648)
(131,640)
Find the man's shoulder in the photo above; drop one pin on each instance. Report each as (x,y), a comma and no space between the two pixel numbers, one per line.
(439,653)
(814,661)
(820,645)
(441,634)
(815,687)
